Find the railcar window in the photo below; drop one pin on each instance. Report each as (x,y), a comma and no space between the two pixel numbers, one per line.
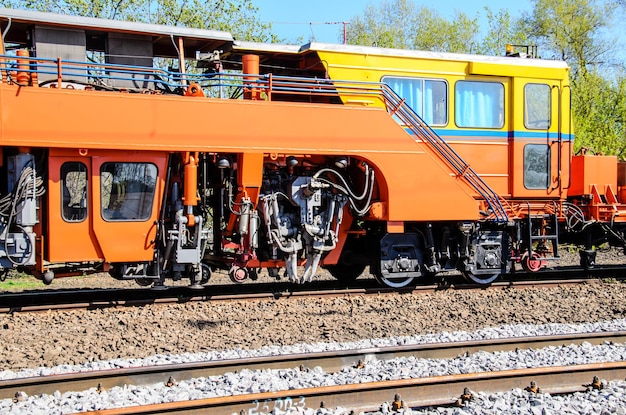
(127,191)
(74,192)
(537,106)
(479,104)
(536,166)
(427,97)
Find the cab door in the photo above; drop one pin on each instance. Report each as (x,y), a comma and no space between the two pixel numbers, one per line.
(536,143)
(103,205)
(70,236)
(128,188)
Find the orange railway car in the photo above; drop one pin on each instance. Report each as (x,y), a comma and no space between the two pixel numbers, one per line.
(244,156)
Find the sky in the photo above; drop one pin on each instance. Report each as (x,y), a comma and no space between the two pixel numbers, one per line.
(292,19)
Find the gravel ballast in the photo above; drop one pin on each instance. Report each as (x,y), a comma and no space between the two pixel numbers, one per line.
(33,344)
(247,381)
(29,340)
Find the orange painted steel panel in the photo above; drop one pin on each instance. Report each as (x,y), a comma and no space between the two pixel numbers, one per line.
(421,189)
(419,186)
(395,227)
(588,170)
(488,158)
(138,122)
(127,241)
(69,241)
(250,174)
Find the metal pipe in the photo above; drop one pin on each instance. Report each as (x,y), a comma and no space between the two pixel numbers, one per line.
(23,76)
(190,187)
(250,67)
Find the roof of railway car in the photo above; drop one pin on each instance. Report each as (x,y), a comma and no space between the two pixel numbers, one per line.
(202,40)
(291,53)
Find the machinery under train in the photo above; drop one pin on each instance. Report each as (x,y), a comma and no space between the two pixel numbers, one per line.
(154,153)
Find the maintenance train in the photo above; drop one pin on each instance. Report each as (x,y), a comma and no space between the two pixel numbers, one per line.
(154,152)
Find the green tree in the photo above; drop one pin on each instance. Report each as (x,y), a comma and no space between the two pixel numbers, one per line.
(571,30)
(129,10)
(236,16)
(599,113)
(402,24)
(503,29)
(576,31)
(438,34)
(389,25)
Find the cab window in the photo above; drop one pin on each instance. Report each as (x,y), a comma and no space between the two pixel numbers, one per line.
(127,191)
(427,97)
(73,192)
(536,166)
(537,106)
(479,104)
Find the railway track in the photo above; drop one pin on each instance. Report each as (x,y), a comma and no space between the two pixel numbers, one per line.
(415,392)
(34,301)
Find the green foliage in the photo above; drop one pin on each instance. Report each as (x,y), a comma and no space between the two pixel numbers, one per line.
(599,114)
(107,9)
(571,30)
(401,24)
(389,26)
(576,31)
(235,16)
(503,30)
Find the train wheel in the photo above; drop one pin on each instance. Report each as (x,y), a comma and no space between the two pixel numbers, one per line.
(144,282)
(480,279)
(238,274)
(345,273)
(206,273)
(532,263)
(395,282)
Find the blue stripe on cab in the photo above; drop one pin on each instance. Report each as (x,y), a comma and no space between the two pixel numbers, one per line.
(466,134)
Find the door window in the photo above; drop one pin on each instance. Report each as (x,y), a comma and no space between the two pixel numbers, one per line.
(74,192)
(537,106)
(536,166)
(127,191)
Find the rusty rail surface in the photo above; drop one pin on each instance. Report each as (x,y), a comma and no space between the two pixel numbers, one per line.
(437,390)
(329,361)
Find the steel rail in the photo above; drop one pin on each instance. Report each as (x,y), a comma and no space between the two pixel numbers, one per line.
(46,300)
(330,362)
(436,390)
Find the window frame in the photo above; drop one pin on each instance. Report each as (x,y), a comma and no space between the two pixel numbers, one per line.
(420,111)
(547,165)
(502,104)
(144,211)
(65,201)
(526,106)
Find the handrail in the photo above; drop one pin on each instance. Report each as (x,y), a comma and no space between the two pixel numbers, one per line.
(463,170)
(98,74)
